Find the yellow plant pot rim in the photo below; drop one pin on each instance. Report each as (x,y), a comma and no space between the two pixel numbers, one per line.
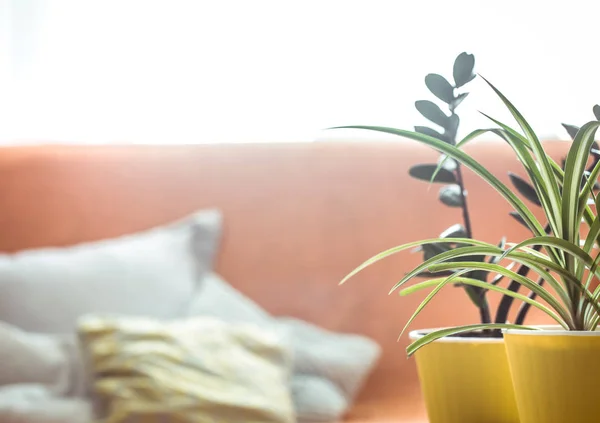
(418,334)
(553,330)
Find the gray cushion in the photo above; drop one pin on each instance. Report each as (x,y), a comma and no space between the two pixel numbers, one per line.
(343,359)
(329,368)
(316,399)
(152,273)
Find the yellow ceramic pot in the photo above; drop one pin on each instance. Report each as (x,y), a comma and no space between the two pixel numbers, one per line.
(555,374)
(466,380)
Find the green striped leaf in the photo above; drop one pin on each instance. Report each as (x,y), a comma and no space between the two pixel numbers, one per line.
(438,334)
(469,162)
(548,181)
(440,283)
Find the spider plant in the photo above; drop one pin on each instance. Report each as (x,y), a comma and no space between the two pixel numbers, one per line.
(563,259)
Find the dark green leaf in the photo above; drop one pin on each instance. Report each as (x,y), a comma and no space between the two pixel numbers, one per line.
(432,250)
(480,275)
(571,129)
(426,171)
(452,128)
(454,231)
(449,164)
(463,69)
(429,251)
(596,111)
(451,196)
(518,218)
(428,274)
(431,132)
(440,87)
(432,112)
(475,294)
(459,99)
(526,190)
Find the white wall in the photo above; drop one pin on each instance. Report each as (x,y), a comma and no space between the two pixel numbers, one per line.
(258,70)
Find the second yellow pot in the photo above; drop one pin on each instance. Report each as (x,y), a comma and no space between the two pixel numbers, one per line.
(466,380)
(555,375)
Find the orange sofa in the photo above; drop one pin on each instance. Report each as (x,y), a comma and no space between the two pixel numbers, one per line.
(297,218)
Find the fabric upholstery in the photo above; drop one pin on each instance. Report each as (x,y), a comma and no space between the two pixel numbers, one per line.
(299,217)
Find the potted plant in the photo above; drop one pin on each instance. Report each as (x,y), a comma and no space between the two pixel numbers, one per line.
(542,361)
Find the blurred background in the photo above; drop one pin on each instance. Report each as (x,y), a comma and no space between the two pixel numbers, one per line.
(161,72)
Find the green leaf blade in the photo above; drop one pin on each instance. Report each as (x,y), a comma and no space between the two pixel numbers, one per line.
(468,161)
(434,336)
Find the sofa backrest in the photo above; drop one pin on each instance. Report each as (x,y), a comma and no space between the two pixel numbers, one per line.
(297,218)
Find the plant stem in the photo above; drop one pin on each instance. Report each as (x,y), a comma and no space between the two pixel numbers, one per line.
(465,208)
(522,313)
(514,286)
(484,311)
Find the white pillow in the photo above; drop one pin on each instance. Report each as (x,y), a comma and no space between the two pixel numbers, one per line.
(52,362)
(329,368)
(35,404)
(152,273)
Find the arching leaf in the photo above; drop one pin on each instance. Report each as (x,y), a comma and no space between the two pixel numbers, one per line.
(432,250)
(433,336)
(454,231)
(596,111)
(447,163)
(440,87)
(426,171)
(495,260)
(469,162)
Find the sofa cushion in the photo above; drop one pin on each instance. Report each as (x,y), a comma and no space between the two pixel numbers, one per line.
(316,399)
(50,361)
(193,370)
(333,364)
(150,273)
(31,403)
